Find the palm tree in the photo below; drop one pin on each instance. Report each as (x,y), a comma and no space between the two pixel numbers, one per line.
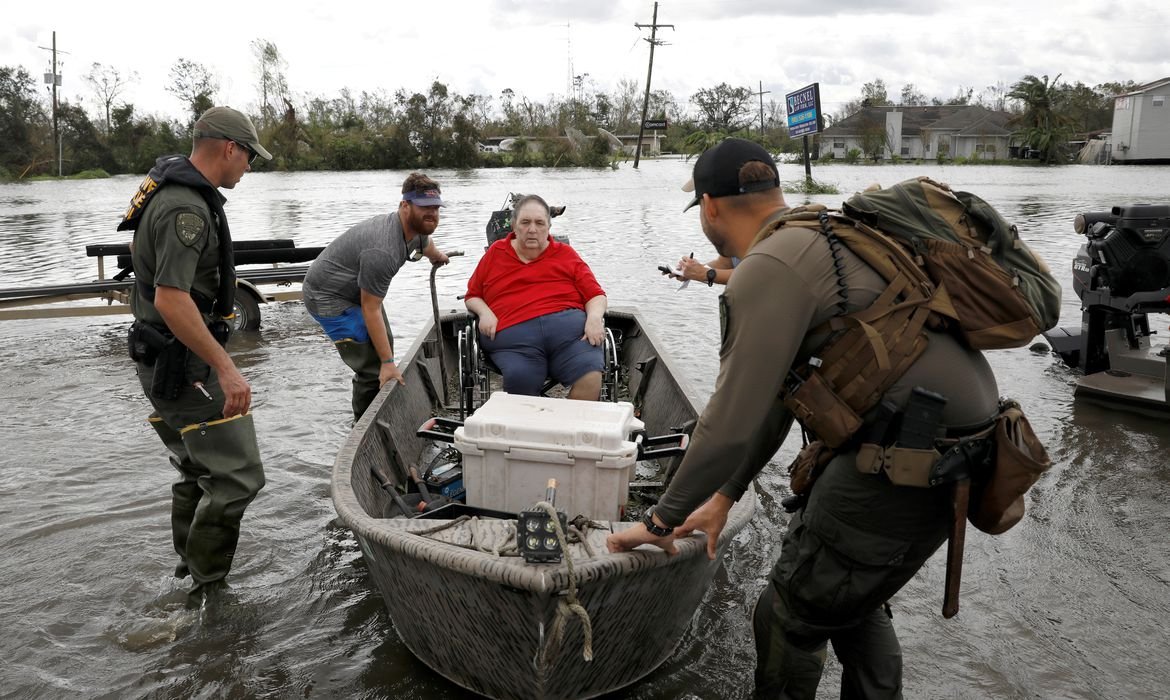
(1042,127)
(698,141)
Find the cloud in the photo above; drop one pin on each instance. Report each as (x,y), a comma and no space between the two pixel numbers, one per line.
(743,9)
(508,12)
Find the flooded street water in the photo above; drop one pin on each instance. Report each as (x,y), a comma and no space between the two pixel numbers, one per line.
(1072,603)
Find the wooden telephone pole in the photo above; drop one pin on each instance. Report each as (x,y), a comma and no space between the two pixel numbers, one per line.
(54,79)
(654,25)
(761,94)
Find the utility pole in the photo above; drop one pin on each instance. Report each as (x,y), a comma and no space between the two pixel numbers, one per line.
(654,25)
(761,93)
(54,79)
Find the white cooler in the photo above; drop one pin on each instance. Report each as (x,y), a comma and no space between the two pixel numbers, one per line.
(514,444)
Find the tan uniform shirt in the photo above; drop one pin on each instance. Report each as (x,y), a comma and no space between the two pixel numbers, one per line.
(783,288)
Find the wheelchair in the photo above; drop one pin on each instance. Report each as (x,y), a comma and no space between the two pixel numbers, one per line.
(476,369)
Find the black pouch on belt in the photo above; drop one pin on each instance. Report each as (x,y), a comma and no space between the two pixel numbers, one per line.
(170,369)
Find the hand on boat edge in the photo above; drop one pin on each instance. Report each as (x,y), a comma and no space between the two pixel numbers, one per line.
(629,539)
(710,518)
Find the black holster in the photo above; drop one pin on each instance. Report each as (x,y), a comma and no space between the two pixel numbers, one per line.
(145,342)
(163,351)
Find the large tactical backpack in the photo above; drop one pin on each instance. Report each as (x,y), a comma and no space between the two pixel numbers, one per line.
(951,262)
(1004,294)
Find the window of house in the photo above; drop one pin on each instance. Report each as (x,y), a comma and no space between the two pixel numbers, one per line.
(926,148)
(1159,100)
(905,150)
(990,149)
(838,144)
(978,148)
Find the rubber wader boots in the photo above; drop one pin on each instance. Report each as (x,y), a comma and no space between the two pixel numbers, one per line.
(230,475)
(184,493)
(363,359)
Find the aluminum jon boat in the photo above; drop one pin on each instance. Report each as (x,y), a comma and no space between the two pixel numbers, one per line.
(461,590)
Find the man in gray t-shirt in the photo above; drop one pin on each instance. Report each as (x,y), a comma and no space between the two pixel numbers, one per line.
(347,284)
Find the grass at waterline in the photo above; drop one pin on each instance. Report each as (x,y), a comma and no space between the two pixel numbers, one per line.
(97,174)
(809,185)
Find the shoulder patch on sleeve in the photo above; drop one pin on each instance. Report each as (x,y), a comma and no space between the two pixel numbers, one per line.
(190,228)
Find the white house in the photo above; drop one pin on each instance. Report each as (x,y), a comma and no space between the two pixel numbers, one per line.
(1141,124)
(921,132)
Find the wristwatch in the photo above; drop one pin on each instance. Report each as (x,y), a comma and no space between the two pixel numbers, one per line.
(648,521)
(710,277)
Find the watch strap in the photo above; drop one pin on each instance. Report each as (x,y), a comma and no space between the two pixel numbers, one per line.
(652,527)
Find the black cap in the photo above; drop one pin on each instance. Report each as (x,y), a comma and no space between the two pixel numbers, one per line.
(717,171)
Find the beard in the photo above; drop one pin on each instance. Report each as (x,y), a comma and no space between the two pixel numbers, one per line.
(717,239)
(423,222)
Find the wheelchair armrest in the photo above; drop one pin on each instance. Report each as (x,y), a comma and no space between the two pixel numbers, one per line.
(439,428)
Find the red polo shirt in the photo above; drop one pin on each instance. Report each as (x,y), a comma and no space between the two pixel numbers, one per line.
(516,291)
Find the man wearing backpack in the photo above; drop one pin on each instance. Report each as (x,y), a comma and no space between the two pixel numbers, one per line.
(857,538)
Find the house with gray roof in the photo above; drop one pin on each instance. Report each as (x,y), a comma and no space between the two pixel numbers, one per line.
(921,132)
(1141,124)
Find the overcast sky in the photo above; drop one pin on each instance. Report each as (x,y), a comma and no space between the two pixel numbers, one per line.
(535,46)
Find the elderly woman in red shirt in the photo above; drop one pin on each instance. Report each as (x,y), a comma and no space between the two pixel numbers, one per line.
(540,308)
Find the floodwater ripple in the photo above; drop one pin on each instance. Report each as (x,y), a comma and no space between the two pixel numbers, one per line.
(1072,603)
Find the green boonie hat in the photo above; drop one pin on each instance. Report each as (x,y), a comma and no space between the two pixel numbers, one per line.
(231,124)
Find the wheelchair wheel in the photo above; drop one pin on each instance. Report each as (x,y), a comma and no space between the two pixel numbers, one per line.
(611,369)
(467,372)
(474,381)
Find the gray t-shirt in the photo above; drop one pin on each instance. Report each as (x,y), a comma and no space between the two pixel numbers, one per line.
(367,256)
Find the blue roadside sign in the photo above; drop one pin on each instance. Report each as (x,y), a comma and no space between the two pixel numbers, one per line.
(804,110)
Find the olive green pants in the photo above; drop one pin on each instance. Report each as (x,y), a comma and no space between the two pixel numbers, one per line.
(220,472)
(362,358)
(856,543)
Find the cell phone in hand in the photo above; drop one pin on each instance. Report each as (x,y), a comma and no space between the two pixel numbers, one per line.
(668,271)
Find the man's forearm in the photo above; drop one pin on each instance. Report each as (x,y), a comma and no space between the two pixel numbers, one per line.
(184,320)
(376,327)
(431,251)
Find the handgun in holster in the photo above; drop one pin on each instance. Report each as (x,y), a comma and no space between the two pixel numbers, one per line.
(145,342)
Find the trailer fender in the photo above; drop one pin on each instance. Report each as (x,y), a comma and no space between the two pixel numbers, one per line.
(247,306)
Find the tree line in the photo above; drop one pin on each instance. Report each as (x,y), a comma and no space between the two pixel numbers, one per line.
(443,128)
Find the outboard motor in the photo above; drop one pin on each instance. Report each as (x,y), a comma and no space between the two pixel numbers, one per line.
(1121,273)
(499,225)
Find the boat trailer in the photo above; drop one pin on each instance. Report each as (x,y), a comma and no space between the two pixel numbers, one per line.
(280,255)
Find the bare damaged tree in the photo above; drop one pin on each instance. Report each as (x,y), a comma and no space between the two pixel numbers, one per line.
(108,83)
(194,84)
(270,69)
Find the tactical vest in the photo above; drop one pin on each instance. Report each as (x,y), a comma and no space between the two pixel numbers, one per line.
(868,350)
(178,170)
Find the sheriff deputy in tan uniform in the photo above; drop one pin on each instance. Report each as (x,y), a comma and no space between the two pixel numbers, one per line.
(859,538)
(182,302)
